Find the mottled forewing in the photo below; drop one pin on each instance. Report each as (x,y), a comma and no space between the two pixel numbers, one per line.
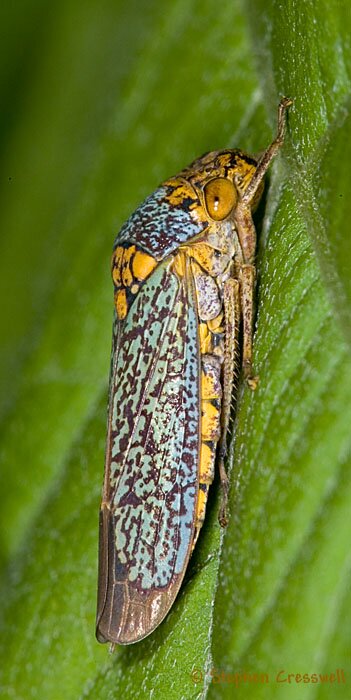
(151,482)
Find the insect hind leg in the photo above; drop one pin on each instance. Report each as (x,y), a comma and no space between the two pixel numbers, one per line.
(231,299)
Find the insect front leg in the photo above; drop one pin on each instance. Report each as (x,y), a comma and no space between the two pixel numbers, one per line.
(247,275)
(269,153)
(231,303)
(247,236)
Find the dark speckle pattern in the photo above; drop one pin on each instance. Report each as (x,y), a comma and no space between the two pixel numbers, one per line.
(154,440)
(165,401)
(158,226)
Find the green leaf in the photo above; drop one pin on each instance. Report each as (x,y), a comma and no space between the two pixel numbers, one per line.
(102,102)
(285,571)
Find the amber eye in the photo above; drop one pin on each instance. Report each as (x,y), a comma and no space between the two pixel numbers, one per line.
(220,198)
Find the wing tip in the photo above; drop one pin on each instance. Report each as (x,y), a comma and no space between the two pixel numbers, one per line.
(134,618)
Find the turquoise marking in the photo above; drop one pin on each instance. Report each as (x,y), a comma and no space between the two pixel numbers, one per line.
(154,456)
(158,226)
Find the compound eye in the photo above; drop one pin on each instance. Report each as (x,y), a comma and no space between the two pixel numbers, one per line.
(220,198)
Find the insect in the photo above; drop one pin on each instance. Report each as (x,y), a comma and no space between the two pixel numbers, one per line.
(183,269)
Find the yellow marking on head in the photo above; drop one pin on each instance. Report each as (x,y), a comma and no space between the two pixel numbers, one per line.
(246,174)
(142,265)
(210,419)
(215,324)
(205,339)
(207,458)
(243,168)
(224,160)
(121,304)
(182,190)
(241,173)
(208,387)
(134,288)
(199,213)
(245,171)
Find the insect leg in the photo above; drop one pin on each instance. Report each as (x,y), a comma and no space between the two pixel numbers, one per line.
(231,298)
(269,154)
(247,286)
